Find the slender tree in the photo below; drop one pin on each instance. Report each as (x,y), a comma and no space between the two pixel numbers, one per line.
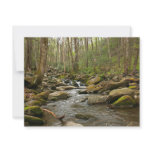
(136,54)
(28,54)
(126,55)
(43,58)
(109,51)
(70,51)
(86,48)
(76,66)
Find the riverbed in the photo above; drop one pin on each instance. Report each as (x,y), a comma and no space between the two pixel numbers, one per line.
(99,115)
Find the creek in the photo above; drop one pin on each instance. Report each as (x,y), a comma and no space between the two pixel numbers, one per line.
(98,115)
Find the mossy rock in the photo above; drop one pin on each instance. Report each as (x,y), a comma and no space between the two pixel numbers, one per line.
(33,121)
(36,102)
(42,95)
(33,111)
(95,80)
(93,88)
(107,85)
(58,95)
(83,116)
(31,82)
(117,93)
(134,80)
(26,90)
(124,101)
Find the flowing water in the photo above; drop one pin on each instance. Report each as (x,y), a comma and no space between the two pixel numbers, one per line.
(99,115)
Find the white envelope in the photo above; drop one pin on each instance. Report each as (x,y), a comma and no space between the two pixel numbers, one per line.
(19,32)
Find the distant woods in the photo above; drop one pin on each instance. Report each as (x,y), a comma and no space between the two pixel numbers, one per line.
(82,55)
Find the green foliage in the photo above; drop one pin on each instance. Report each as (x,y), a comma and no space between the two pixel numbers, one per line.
(94,60)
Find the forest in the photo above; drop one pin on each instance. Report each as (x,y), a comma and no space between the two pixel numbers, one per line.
(81,81)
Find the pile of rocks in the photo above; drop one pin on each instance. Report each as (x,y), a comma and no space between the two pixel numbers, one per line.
(118,93)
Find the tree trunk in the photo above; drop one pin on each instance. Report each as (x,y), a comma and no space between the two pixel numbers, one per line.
(126,56)
(57,53)
(109,52)
(119,52)
(131,50)
(43,58)
(92,44)
(86,48)
(63,50)
(70,51)
(136,56)
(28,55)
(76,66)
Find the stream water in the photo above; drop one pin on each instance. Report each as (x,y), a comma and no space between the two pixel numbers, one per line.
(99,115)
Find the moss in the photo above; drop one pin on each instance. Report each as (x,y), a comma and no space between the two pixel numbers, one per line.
(37,102)
(62,77)
(54,98)
(124,100)
(33,121)
(33,111)
(132,87)
(42,95)
(26,90)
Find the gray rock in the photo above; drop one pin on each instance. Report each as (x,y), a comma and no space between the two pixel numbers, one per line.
(98,99)
(58,95)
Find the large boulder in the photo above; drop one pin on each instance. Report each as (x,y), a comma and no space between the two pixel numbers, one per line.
(95,80)
(98,99)
(93,88)
(58,95)
(62,88)
(124,102)
(115,94)
(32,121)
(33,111)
